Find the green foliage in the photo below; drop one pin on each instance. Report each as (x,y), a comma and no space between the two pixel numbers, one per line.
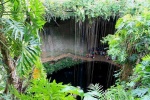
(6,96)
(13,28)
(20,24)
(140,81)
(23,44)
(43,89)
(113,93)
(36,14)
(129,45)
(64,63)
(22,34)
(3,76)
(118,93)
(95,92)
(55,9)
(142,71)
(132,39)
(83,9)
(80,9)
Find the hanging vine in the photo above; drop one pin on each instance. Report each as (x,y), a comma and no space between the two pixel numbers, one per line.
(82,9)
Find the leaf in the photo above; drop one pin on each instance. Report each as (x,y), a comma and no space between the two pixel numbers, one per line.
(140,92)
(13,28)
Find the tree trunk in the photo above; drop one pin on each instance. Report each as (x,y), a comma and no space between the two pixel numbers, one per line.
(126,72)
(12,78)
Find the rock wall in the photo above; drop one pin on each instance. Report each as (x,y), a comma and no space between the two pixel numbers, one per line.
(78,38)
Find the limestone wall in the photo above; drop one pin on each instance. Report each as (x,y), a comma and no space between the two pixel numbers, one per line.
(77,38)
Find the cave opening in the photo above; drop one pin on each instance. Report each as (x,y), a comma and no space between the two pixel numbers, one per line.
(76,40)
(87,73)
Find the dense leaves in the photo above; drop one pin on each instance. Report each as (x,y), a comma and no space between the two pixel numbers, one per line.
(89,9)
(43,89)
(132,39)
(23,45)
(140,83)
(20,23)
(130,45)
(64,63)
(113,93)
(80,9)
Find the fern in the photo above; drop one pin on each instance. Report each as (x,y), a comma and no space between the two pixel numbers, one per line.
(95,92)
(118,93)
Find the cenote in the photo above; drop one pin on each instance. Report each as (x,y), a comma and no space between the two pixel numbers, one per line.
(75,50)
(78,41)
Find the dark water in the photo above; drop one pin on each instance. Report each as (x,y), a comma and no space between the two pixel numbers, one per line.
(86,73)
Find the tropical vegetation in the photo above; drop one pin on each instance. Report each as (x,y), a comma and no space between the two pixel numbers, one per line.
(21,67)
(64,63)
(22,73)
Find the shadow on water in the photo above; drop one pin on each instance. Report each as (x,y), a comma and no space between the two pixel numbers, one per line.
(86,73)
